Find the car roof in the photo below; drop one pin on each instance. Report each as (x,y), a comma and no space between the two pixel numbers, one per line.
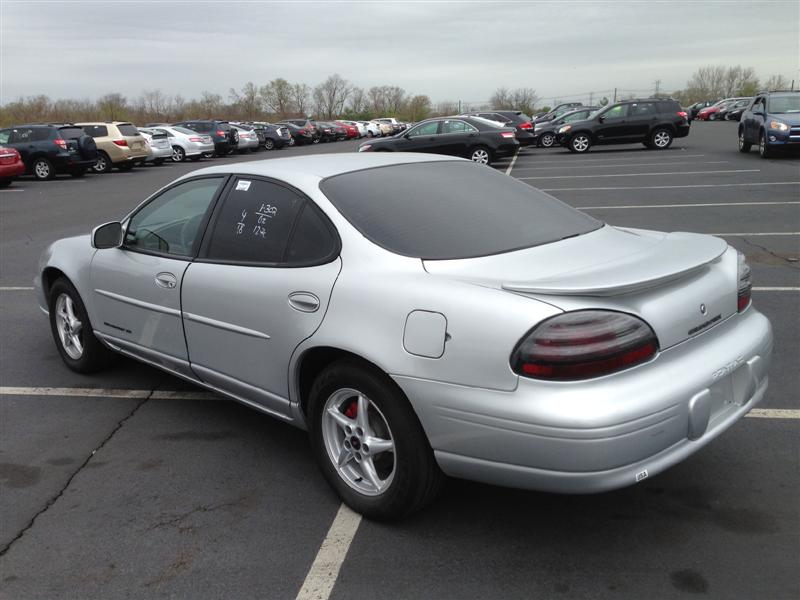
(320,166)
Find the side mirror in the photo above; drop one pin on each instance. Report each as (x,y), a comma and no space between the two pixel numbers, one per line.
(601,119)
(108,235)
(407,136)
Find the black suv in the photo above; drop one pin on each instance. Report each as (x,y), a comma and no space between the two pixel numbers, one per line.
(556,112)
(654,122)
(511,118)
(50,149)
(772,121)
(225,137)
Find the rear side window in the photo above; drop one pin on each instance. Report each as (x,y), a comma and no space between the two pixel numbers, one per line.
(96,130)
(642,109)
(127,129)
(71,133)
(454,210)
(312,240)
(41,134)
(201,127)
(254,223)
(21,134)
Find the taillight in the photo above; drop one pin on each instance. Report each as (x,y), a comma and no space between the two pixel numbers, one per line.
(583,344)
(525,125)
(195,139)
(507,134)
(123,143)
(682,113)
(220,132)
(61,143)
(745,284)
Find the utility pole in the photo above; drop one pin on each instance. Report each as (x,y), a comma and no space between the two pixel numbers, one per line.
(657,83)
(459,107)
(591,95)
(615,94)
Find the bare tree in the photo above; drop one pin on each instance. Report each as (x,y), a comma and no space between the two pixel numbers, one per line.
(209,104)
(156,104)
(501,98)
(377,100)
(247,102)
(448,107)
(301,98)
(277,97)
(776,82)
(419,108)
(112,107)
(358,100)
(330,96)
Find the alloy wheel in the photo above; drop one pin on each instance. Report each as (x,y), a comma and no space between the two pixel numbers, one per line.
(269,144)
(547,140)
(42,169)
(580,143)
(662,139)
(178,154)
(100,165)
(69,327)
(358,441)
(480,156)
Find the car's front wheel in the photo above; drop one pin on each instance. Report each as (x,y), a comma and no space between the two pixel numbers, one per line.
(744,146)
(763,149)
(43,169)
(72,331)
(369,443)
(481,155)
(178,154)
(580,143)
(547,140)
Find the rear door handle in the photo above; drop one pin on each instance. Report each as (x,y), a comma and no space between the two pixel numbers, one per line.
(166,280)
(304,302)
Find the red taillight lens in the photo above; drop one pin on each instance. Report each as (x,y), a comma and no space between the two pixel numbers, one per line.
(584,344)
(526,125)
(195,139)
(220,132)
(123,143)
(745,284)
(61,143)
(682,113)
(507,134)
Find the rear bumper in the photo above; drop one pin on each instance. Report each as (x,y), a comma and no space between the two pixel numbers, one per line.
(605,433)
(682,130)
(15,170)
(155,153)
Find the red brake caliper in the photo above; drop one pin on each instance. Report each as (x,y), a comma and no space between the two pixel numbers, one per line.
(352,410)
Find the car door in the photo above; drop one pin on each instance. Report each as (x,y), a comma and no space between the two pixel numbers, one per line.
(21,138)
(611,125)
(642,117)
(260,286)
(136,288)
(755,119)
(425,137)
(457,137)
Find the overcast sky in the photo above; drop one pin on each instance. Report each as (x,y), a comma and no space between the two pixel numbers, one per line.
(448,50)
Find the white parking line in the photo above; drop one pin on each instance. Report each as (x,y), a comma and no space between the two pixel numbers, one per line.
(774,413)
(725,204)
(324,570)
(750,234)
(776,289)
(16,288)
(641,174)
(513,160)
(601,160)
(12,190)
(670,187)
(658,164)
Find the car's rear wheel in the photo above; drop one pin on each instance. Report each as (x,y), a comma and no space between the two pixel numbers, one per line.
(661,139)
(269,144)
(72,331)
(743,145)
(43,169)
(369,443)
(481,155)
(103,163)
(547,140)
(178,154)
(763,149)
(580,143)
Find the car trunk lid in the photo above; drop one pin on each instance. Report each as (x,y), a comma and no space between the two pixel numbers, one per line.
(680,283)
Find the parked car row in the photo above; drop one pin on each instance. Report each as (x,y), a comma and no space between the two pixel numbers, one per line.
(727,109)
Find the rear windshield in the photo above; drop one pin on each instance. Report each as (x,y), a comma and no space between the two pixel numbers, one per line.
(127,129)
(516,117)
(180,129)
(71,133)
(451,210)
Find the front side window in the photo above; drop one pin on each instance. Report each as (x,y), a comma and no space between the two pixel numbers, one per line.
(431,128)
(170,223)
(457,127)
(616,112)
(5,134)
(577,116)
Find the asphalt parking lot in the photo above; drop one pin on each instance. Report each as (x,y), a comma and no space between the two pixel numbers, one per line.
(133,484)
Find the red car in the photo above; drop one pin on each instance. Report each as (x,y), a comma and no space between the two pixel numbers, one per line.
(11,166)
(352,130)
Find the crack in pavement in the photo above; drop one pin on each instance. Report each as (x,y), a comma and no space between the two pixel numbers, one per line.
(789,263)
(63,489)
(173,521)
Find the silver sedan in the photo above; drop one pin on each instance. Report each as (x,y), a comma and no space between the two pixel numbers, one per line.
(459,322)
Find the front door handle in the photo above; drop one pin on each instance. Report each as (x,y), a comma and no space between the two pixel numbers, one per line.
(304,302)
(166,280)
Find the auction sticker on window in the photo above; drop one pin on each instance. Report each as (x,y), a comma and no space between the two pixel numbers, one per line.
(242,185)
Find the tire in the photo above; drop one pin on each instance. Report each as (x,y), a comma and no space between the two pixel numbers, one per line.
(158,162)
(77,173)
(103,164)
(763,150)
(660,139)
(269,144)
(369,134)
(315,140)
(42,169)
(580,143)
(744,147)
(712,117)
(178,154)
(82,351)
(547,140)
(405,476)
(481,155)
